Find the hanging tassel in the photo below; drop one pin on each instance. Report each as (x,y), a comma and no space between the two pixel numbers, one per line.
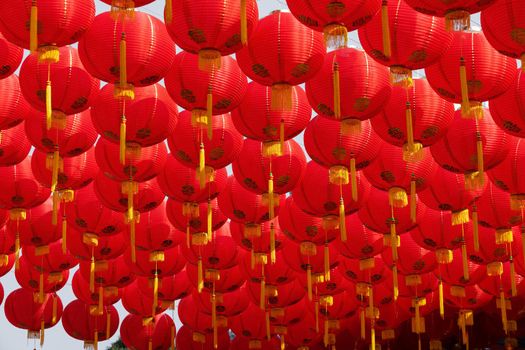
(155,294)
(316,311)
(464,257)
(95,341)
(244,23)
(342,219)
(385,26)
(262,302)
(513,278)
(353,179)
(108,325)
(412,151)
(396,285)
(397,197)
(33,27)
(337,91)
(441,301)
(54,179)
(479,156)
(335,36)
(326,263)
(475,229)
(209,225)
(283,343)
(56,203)
(209,113)
(271,203)
(465,103)
(214,320)
(123,82)
(49,105)
(100,300)
(460,217)
(309,281)
(281,97)
(326,331)
(17,250)
(172,338)
(417,316)
(373,338)
(281,135)
(55,310)
(268,330)
(92,275)
(362,322)
(209,60)
(122,154)
(41,288)
(202,166)
(252,258)
(413,201)
(168,12)
(393,239)
(273,256)
(503,304)
(200,281)
(188,236)
(150,344)
(132,233)
(64,234)
(42,330)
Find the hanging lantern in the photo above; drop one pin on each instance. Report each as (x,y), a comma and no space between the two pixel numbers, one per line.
(260,247)
(507,109)
(11,57)
(404,40)
(419,285)
(171,288)
(275,274)
(29,277)
(252,324)
(412,259)
(101,296)
(188,339)
(282,53)
(334,19)
(362,243)
(463,75)
(494,209)
(15,108)
(224,281)
(112,273)
(14,145)
(278,297)
(136,302)
(349,87)
(159,334)
(125,8)
(303,334)
(51,259)
(452,273)
(88,246)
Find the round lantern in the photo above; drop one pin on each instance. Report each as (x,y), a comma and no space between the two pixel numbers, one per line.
(98,298)
(335,285)
(211,30)
(159,334)
(414,121)
(40,282)
(73,88)
(255,119)
(470,71)
(137,51)
(404,39)
(508,108)
(282,53)
(412,258)
(452,273)
(8,260)
(278,297)
(136,302)
(181,183)
(483,145)
(112,273)
(250,324)
(495,246)
(188,339)
(334,19)
(258,245)
(373,270)
(494,209)
(261,174)
(11,57)
(171,288)
(15,108)
(190,315)
(81,324)
(51,258)
(14,145)
(349,87)
(22,311)
(223,280)
(362,243)
(156,263)
(125,7)
(232,303)
(91,247)
(274,274)
(503,26)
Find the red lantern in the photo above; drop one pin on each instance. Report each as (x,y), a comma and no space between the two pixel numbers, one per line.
(416,120)
(159,334)
(349,87)
(159,263)
(258,244)
(482,144)
(31,278)
(14,145)
(187,216)
(404,39)
(254,170)
(501,24)
(250,324)
(73,89)
(50,259)
(22,311)
(466,73)
(470,297)
(335,19)
(335,285)
(101,295)
(494,209)
(419,285)
(89,246)
(223,280)
(81,324)
(51,29)
(7,263)
(136,302)
(181,183)
(494,245)
(412,258)
(188,339)
(191,316)
(211,30)
(274,274)
(11,57)
(281,53)
(436,232)
(240,343)
(277,297)
(303,334)
(362,243)
(111,273)
(171,288)
(507,109)
(507,282)
(149,119)
(139,167)
(15,108)
(255,119)
(228,305)
(452,272)
(143,43)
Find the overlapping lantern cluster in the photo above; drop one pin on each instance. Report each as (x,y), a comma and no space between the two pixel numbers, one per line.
(407,221)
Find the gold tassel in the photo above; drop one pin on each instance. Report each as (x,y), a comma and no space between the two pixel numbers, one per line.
(385,26)
(475,229)
(54,212)
(412,151)
(283,343)
(244,23)
(353,179)
(150,344)
(281,135)
(465,103)
(214,320)
(172,338)
(362,322)
(202,167)
(342,220)
(209,225)
(373,338)
(64,234)
(100,300)
(465,261)
(522,59)
(55,310)
(41,288)
(155,294)
(108,325)
(209,60)
(309,281)
(281,97)
(503,304)
(397,197)
(393,239)
(513,278)
(413,201)
(271,203)
(42,330)
(326,263)
(396,285)
(273,256)
(335,36)
(17,249)
(337,91)
(268,330)
(33,27)
(200,281)
(92,275)
(460,217)
(132,233)
(49,105)
(326,331)
(123,140)
(123,82)
(316,311)
(188,237)
(262,302)
(417,317)
(479,154)
(209,113)
(95,341)
(168,11)
(441,301)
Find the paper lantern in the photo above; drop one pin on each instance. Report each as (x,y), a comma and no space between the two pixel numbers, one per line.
(30,278)
(12,57)
(171,288)
(159,334)
(188,339)
(14,145)
(507,109)
(224,281)
(14,106)
(362,243)
(89,246)
(111,273)
(138,303)
(100,297)
(53,259)
(232,303)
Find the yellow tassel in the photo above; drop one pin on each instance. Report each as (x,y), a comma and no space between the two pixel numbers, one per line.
(92,275)
(168,11)
(49,105)
(441,301)
(393,239)
(417,317)
(353,179)
(262,302)
(42,330)
(465,261)
(188,237)
(54,212)
(209,226)
(209,60)
(309,281)
(214,320)
(17,250)
(479,155)
(385,29)
(373,338)
(326,332)
(362,323)
(108,325)
(273,256)
(122,154)
(503,304)
(413,201)
(33,28)
(281,97)
(244,23)
(150,344)
(412,151)
(397,197)
(155,294)
(316,311)
(281,135)
(342,219)
(95,341)
(326,263)
(123,62)
(200,281)
(64,234)
(396,285)
(41,288)
(209,113)
(337,91)
(202,167)
(283,343)
(55,310)
(132,233)
(465,103)
(513,278)
(272,149)
(270,197)
(100,300)
(172,338)
(335,36)
(268,330)
(475,229)
(371,300)
(460,217)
